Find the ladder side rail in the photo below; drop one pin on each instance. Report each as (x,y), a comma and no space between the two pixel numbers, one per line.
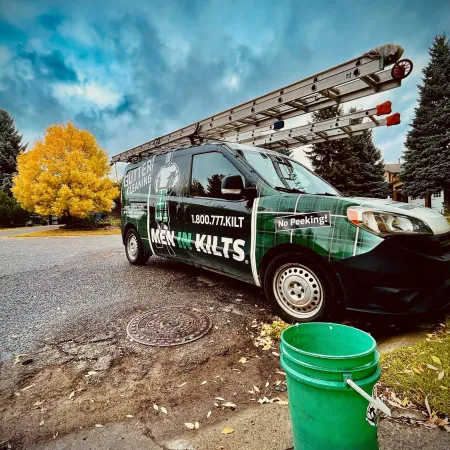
(311,137)
(281,97)
(338,74)
(333,122)
(349,92)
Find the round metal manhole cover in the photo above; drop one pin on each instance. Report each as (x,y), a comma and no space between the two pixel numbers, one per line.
(164,327)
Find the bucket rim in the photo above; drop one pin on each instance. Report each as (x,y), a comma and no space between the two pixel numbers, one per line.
(318,355)
(366,366)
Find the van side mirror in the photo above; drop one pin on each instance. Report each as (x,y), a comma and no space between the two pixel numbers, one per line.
(232,185)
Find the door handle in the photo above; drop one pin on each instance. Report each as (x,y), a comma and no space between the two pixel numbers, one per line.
(186,214)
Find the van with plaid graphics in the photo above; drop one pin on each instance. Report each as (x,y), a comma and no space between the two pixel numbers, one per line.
(261,217)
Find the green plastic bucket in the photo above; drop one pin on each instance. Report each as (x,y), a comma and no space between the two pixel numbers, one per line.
(326,412)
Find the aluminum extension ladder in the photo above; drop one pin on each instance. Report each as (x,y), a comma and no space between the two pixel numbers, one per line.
(250,122)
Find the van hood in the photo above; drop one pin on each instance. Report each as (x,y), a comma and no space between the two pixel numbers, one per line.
(435,220)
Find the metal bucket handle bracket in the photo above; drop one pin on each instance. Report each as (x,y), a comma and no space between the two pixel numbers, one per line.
(374,401)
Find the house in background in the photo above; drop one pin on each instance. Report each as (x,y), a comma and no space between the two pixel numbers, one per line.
(391,172)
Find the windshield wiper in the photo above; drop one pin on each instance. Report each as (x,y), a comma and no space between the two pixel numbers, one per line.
(294,190)
(328,194)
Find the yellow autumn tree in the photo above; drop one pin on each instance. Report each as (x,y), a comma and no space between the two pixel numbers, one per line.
(64,174)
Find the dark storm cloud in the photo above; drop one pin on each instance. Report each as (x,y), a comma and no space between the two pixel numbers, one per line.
(50,21)
(49,66)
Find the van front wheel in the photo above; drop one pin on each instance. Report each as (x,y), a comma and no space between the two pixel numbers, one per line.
(136,253)
(299,288)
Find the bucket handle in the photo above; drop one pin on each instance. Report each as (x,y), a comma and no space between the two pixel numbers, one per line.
(374,401)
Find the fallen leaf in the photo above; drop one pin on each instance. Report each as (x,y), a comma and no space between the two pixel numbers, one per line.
(405,401)
(275,354)
(280,372)
(408,371)
(41,423)
(196,425)
(243,360)
(228,405)
(436,360)
(445,388)
(216,405)
(98,425)
(207,415)
(227,430)
(155,407)
(220,399)
(191,426)
(17,394)
(71,395)
(267,384)
(430,335)
(282,402)
(255,388)
(39,403)
(441,375)
(427,406)
(181,385)
(251,392)
(203,382)
(28,387)
(129,416)
(163,410)
(431,367)
(417,370)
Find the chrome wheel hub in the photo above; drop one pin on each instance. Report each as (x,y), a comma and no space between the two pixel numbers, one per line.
(298,290)
(133,247)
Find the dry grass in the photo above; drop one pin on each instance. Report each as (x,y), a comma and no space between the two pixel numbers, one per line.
(422,371)
(64,232)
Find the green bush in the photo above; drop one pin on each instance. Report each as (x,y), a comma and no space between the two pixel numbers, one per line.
(11,212)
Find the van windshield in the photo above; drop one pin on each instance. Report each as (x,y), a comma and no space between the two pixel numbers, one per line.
(283,173)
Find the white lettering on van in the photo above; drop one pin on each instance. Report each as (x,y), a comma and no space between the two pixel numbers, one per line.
(226,246)
(239,254)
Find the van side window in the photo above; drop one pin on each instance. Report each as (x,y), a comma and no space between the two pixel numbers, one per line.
(208,170)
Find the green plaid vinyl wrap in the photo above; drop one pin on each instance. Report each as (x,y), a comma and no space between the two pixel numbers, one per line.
(333,243)
(161,211)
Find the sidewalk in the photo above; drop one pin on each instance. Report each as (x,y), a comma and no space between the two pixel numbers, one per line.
(21,230)
(265,427)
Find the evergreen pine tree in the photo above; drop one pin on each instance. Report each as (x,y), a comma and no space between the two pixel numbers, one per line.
(10,146)
(330,160)
(353,165)
(368,176)
(427,156)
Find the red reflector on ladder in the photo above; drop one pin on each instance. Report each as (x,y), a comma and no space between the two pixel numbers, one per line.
(384,108)
(393,120)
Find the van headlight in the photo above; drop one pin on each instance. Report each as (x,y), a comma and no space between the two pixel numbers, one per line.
(386,223)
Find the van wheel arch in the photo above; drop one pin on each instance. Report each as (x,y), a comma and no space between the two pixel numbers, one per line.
(128,226)
(297,248)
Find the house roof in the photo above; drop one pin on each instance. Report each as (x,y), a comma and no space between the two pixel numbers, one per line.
(393,168)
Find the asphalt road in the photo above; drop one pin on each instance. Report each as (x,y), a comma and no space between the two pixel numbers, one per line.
(64,286)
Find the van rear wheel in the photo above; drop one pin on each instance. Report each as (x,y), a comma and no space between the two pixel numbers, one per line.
(136,253)
(299,288)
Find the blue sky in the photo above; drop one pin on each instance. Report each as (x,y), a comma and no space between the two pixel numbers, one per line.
(132,70)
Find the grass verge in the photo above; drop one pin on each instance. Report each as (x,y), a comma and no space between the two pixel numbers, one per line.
(63,232)
(421,373)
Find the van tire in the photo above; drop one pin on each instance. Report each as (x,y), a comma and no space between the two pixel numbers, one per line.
(136,253)
(299,288)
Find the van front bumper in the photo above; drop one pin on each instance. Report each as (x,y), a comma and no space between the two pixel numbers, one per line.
(404,275)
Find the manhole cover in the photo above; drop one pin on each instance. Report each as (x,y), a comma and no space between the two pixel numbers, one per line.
(169,326)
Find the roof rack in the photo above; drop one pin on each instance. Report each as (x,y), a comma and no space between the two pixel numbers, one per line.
(351,80)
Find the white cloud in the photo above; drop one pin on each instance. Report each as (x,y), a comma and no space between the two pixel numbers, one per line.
(231,82)
(101,96)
